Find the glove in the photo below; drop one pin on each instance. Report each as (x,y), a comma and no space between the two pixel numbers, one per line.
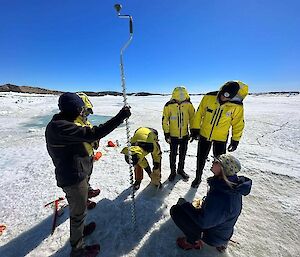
(194,134)
(124,113)
(233,145)
(168,138)
(197,203)
(95,144)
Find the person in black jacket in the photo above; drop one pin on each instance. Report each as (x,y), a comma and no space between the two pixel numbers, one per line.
(214,221)
(65,144)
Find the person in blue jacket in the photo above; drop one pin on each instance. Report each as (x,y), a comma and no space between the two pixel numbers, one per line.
(214,221)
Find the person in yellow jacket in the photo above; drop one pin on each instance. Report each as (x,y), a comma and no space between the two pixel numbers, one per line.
(82,120)
(178,115)
(144,142)
(217,113)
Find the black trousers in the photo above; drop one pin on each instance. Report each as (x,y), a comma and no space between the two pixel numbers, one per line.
(185,223)
(182,144)
(204,147)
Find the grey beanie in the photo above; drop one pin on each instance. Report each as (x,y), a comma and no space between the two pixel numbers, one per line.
(230,164)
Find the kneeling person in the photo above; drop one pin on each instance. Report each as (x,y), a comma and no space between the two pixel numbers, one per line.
(143,142)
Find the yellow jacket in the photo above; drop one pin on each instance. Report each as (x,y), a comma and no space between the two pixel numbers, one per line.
(143,142)
(214,120)
(82,121)
(178,114)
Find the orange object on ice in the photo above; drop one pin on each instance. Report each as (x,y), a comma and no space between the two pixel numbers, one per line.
(97,156)
(2,228)
(111,144)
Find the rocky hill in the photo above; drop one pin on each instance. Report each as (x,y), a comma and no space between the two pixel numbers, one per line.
(27,89)
(38,90)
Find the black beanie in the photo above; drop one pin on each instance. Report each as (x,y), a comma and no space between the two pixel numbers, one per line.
(70,103)
(230,89)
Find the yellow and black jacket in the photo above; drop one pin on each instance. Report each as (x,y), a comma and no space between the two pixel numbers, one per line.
(178,114)
(83,122)
(213,119)
(143,142)
(80,121)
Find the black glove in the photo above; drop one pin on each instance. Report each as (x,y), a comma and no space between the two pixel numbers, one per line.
(95,144)
(168,138)
(233,145)
(124,113)
(195,133)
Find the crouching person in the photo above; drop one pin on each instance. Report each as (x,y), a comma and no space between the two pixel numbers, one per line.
(144,142)
(214,221)
(65,144)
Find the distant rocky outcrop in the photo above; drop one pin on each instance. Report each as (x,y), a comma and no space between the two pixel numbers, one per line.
(38,90)
(27,89)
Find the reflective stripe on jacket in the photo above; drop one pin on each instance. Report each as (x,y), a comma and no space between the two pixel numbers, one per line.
(178,114)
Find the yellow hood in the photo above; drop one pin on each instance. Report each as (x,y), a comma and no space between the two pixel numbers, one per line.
(180,94)
(86,100)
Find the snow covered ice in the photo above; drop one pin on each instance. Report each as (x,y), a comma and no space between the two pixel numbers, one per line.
(269,152)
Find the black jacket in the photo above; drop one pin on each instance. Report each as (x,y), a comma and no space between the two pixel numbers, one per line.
(65,146)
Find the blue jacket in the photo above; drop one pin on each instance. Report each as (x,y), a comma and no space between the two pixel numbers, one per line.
(220,210)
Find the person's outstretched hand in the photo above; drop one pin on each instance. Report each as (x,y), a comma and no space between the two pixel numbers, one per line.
(124,113)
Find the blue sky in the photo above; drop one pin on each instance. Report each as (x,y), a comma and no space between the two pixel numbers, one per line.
(74,45)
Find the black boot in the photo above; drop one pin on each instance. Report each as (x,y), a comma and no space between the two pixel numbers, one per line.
(172,176)
(183,175)
(136,185)
(196,182)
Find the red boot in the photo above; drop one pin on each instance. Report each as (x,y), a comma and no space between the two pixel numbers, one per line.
(185,245)
(93,193)
(221,248)
(90,205)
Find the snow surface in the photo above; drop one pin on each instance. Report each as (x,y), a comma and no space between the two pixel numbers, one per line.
(269,152)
